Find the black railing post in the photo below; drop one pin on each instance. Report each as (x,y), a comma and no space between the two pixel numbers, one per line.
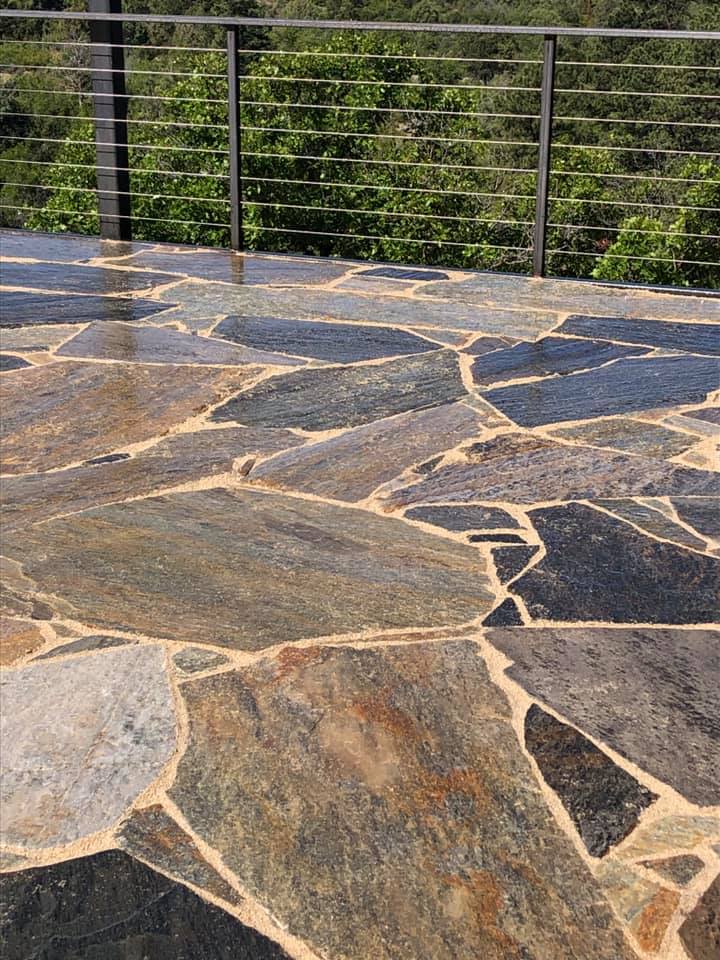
(107,63)
(233,73)
(545,143)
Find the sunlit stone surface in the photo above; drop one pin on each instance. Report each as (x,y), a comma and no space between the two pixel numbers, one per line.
(370,611)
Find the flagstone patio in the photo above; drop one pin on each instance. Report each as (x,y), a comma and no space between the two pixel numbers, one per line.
(355,612)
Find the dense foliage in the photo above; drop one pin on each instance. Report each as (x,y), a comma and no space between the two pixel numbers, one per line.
(387,147)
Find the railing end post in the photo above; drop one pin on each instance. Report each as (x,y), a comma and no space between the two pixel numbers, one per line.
(547,97)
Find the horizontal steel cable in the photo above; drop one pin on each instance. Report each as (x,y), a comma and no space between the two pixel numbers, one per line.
(122,96)
(634,203)
(132,146)
(126,46)
(442,113)
(383,56)
(655,233)
(387,136)
(638,66)
(128,70)
(115,216)
(390,163)
(387,83)
(596,146)
(94,166)
(381,213)
(365,236)
(373,186)
(640,93)
(130,193)
(154,123)
(654,123)
(626,256)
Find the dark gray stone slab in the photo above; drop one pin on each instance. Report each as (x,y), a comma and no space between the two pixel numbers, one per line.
(689,337)
(633,436)
(510,561)
(547,356)
(378,803)
(195,659)
(85,644)
(348,396)
(60,248)
(484,345)
(681,869)
(496,538)
(78,279)
(519,468)
(403,273)
(108,458)
(19,309)
(710,414)
(338,342)
(702,513)
(506,615)
(650,694)
(620,387)
(350,466)
(603,800)
(600,568)
(10,362)
(700,932)
(136,344)
(470,517)
(111,906)
(652,520)
(246,569)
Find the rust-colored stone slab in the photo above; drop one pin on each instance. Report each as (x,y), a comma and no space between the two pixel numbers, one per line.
(64,412)
(378,803)
(352,465)
(700,933)
(151,835)
(248,568)
(82,738)
(18,638)
(174,460)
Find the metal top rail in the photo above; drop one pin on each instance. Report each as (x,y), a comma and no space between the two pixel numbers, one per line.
(491,28)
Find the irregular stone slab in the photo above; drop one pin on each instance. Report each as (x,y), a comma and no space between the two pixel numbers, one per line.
(205,301)
(617,388)
(681,870)
(578,296)
(599,568)
(195,659)
(337,342)
(700,933)
(85,645)
(520,468)
(108,458)
(657,706)
(10,362)
(547,356)
(37,338)
(152,836)
(350,466)
(348,396)
(690,337)
(651,520)
(176,459)
(18,638)
(70,411)
(645,907)
(670,834)
(78,279)
(708,414)
(496,538)
(403,273)
(702,428)
(506,615)
(105,731)
(109,905)
(121,341)
(383,786)
(510,561)
(19,309)
(484,345)
(603,800)
(703,513)
(634,436)
(224,555)
(471,517)
(57,247)
(650,926)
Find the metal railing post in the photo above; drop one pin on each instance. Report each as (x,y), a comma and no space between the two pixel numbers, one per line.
(110,102)
(545,143)
(233,74)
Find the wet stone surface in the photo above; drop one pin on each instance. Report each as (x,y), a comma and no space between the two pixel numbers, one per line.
(377,821)
(19,308)
(688,337)
(78,279)
(603,800)
(111,906)
(334,342)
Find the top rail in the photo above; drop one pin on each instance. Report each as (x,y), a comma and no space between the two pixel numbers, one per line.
(370,25)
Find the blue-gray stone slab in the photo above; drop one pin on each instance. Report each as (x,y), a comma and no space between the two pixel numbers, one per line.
(689,337)
(599,568)
(459,518)
(702,513)
(338,342)
(60,248)
(403,273)
(648,693)
(20,309)
(547,356)
(634,384)
(335,397)
(78,279)
(10,362)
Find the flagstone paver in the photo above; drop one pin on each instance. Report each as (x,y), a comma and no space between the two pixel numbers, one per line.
(354,612)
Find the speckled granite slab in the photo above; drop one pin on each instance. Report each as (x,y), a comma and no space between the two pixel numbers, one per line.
(354,611)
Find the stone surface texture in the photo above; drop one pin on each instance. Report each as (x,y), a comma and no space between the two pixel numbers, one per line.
(73,766)
(354,611)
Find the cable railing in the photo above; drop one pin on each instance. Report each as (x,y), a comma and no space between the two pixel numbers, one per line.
(370,140)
